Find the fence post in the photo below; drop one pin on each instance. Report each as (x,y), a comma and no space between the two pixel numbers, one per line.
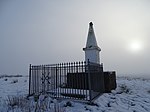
(89,80)
(56,77)
(30,79)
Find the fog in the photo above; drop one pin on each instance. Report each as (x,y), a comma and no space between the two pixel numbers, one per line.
(47,32)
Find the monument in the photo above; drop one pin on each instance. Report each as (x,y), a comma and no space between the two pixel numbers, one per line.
(92,50)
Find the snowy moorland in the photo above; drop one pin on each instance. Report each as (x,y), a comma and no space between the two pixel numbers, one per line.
(131,95)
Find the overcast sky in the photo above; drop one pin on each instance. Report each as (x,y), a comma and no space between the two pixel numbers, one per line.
(55,31)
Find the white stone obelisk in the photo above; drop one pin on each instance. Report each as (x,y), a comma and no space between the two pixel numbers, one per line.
(92,50)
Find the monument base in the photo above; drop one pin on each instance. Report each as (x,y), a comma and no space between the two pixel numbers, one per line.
(110,81)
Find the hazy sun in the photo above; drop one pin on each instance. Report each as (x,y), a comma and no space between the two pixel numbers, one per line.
(135,46)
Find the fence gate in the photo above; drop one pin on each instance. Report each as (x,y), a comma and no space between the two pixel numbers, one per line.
(78,80)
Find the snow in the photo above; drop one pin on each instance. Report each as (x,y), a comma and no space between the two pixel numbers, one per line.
(13,86)
(131,95)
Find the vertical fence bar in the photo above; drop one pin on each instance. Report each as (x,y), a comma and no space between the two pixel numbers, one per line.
(89,81)
(78,80)
(32,84)
(38,79)
(57,73)
(83,78)
(36,87)
(48,77)
(68,73)
(51,78)
(42,77)
(30,79)
(56,79)
(86,81)
(33,79)
(67,70)
(71,79)
(43,67)
(59,78)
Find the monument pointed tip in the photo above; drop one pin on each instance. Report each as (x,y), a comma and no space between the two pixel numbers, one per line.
(91,24)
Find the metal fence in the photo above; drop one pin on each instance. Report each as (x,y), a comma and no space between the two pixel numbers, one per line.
(77,80)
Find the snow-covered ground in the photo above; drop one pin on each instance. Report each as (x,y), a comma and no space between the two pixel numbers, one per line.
(13,86)
(131,95)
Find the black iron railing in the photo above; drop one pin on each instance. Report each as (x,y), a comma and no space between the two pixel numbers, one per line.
(77,80)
